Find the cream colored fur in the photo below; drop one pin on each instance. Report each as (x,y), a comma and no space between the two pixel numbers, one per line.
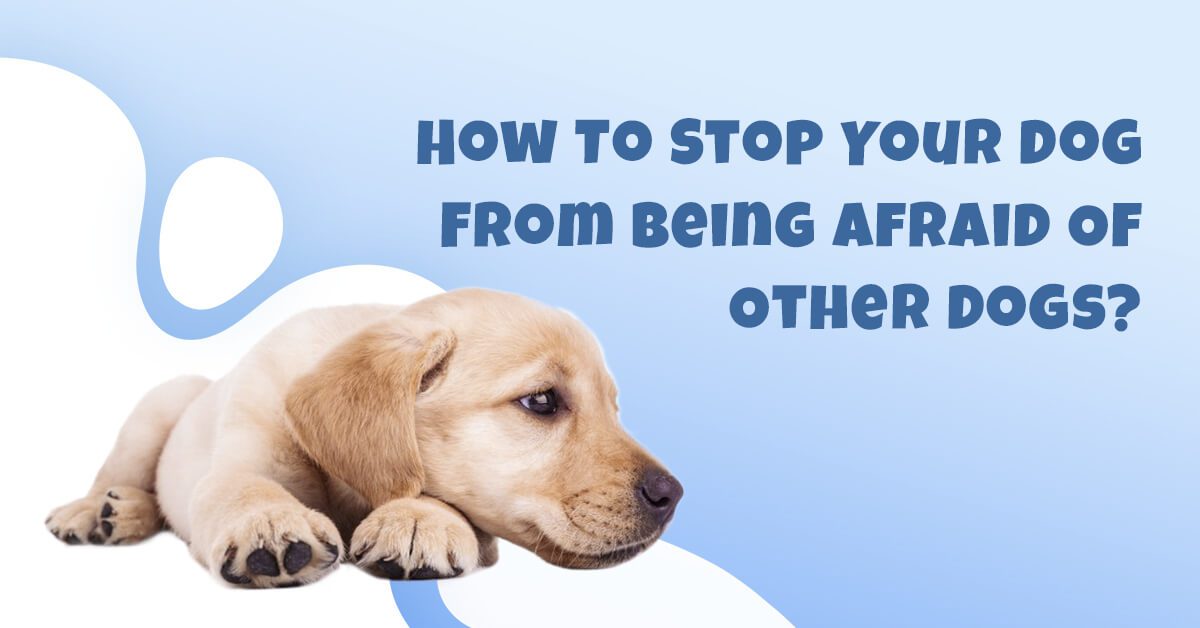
(392,431)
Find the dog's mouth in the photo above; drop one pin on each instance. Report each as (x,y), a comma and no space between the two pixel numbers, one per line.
(557,555)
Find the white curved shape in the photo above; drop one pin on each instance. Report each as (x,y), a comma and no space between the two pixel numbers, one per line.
(79,342)
(221,228)
(665,586)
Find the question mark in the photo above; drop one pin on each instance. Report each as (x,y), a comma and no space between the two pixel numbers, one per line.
(1130,299)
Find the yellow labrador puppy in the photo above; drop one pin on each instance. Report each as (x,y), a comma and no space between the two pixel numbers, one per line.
(411,435)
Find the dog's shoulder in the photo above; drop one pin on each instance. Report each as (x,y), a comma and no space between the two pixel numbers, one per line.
(295,346)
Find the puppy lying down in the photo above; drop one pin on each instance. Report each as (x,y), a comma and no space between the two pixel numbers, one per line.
(413,436)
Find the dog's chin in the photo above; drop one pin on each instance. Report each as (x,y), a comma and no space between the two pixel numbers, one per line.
(556,554)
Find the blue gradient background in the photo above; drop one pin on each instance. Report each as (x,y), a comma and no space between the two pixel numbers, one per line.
(987,476)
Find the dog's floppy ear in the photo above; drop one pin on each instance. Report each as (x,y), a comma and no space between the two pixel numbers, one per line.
(354,415)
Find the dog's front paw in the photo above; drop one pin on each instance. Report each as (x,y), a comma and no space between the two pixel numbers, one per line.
(275,545)
(123,514)
(415,539)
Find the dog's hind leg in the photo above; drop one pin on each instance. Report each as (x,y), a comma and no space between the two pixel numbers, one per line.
(121,507)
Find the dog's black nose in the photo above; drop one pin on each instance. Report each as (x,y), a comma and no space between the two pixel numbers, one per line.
(660,494)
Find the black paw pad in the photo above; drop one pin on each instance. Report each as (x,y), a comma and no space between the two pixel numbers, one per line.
(107,526)
(227,569)
(107,511)
(71,539)
(262,562)
(334,555)
(297,555)
(423,573)
(390,569)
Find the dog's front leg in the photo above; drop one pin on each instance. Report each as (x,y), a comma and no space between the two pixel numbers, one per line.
(420,538)
(250,531)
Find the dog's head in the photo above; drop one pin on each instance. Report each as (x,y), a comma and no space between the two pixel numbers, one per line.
(499,406)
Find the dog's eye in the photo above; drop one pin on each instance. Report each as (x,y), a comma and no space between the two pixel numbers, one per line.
(544,403)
